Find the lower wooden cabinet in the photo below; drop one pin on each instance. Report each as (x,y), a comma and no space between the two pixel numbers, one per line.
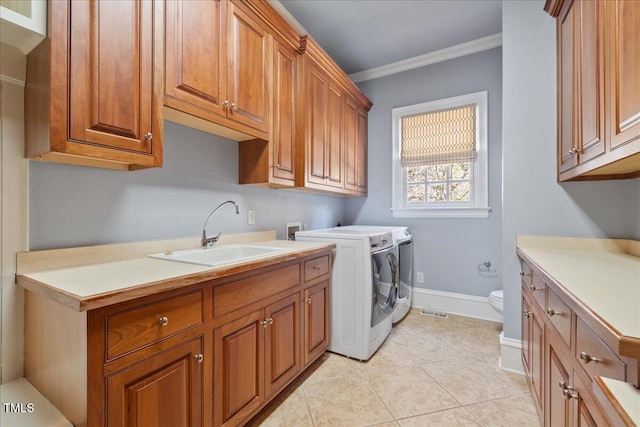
(164,390)
(210,353)
(255,355)
(317,330)
(564,348)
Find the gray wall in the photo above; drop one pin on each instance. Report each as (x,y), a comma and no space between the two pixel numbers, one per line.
(533,202)
(448,251)
(78,206)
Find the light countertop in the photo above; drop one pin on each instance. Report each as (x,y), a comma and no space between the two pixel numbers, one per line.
(621,396)
(605,278)
(97,284)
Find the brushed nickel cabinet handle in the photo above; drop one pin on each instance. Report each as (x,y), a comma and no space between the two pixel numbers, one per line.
(527,314)
(233,106)
(317,267)
(148,136)
(199,358)
(586,357)
(552,312)
(164,321)
(225,104)
(270,319)
(533,288)
(308,300)
(264,323)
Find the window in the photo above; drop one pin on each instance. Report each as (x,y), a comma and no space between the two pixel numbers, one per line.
(440,158)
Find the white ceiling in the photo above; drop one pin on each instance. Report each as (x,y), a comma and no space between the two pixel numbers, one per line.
(364,34)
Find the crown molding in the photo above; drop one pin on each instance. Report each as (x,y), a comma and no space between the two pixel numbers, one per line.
(474,46)
(288,17)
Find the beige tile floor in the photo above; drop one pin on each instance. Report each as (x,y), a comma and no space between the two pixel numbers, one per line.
(429,372)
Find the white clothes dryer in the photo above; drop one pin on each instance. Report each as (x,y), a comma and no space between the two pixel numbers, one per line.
(403,239)
(364,286)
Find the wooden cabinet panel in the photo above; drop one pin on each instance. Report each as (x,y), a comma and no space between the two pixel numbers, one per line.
(285,103)
(249,68)
(316,107)
(234,295)
(537,358)
(93,94)
(317,330)
(238,373)
(598,91)
(590,84)
(559,315)
(195,55)
(538,290)
(165,390)
(316,267)
(111,76)
(355,147)
(140,326)
(624,62)
(333,142)
(567,148)
(595,357)
(558,410)
(282,349)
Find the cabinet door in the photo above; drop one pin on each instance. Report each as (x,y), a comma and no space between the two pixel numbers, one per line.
(195,55)
(526,334)
(249,68)
(238,370)
(164,390)
(567,138)
(316,107)
(334,152)
(111,98)
(282,345)
(590,79)
(361,150)
(537,357)
(623,24)
(283,135)
(317,330)
(557,412)
(353,176)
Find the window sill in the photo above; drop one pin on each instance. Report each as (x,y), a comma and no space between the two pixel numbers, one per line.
(444,212)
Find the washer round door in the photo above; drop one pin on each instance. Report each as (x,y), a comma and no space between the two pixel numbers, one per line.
(384,265)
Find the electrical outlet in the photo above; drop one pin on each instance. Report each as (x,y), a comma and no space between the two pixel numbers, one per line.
(420,277)
(251,216)
(291,228)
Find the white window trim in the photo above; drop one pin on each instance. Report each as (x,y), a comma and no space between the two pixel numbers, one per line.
(480,207)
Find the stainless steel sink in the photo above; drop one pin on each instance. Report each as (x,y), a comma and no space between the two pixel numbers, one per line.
(220,255)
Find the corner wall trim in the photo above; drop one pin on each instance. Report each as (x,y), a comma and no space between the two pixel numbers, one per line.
(462,49)
(454,303)
(511,355)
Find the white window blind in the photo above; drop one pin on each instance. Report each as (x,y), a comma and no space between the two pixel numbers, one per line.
(440,136)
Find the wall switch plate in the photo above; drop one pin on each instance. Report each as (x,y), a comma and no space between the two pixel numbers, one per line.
(420,277)
(251,216)
(290,230)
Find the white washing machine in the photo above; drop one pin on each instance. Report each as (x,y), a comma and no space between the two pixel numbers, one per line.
(403,239)
(364,286)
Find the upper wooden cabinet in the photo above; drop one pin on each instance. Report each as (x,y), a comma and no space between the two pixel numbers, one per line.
(93,94)
(218,67)
(333,121)
(271,162)
(598,51)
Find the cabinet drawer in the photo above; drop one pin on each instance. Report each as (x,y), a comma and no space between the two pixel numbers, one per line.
(526,273)
(234,295)
(140,326)
(538,289)
(559,314)
(595,357)
(316,267)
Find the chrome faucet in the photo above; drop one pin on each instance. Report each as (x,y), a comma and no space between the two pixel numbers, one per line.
(210,241)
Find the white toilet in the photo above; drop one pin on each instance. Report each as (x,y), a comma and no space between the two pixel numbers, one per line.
(496,300)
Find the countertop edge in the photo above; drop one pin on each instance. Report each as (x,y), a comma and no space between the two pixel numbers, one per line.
(100,300)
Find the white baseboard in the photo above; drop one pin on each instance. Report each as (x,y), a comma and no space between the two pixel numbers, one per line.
(449,302)
(511,355)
